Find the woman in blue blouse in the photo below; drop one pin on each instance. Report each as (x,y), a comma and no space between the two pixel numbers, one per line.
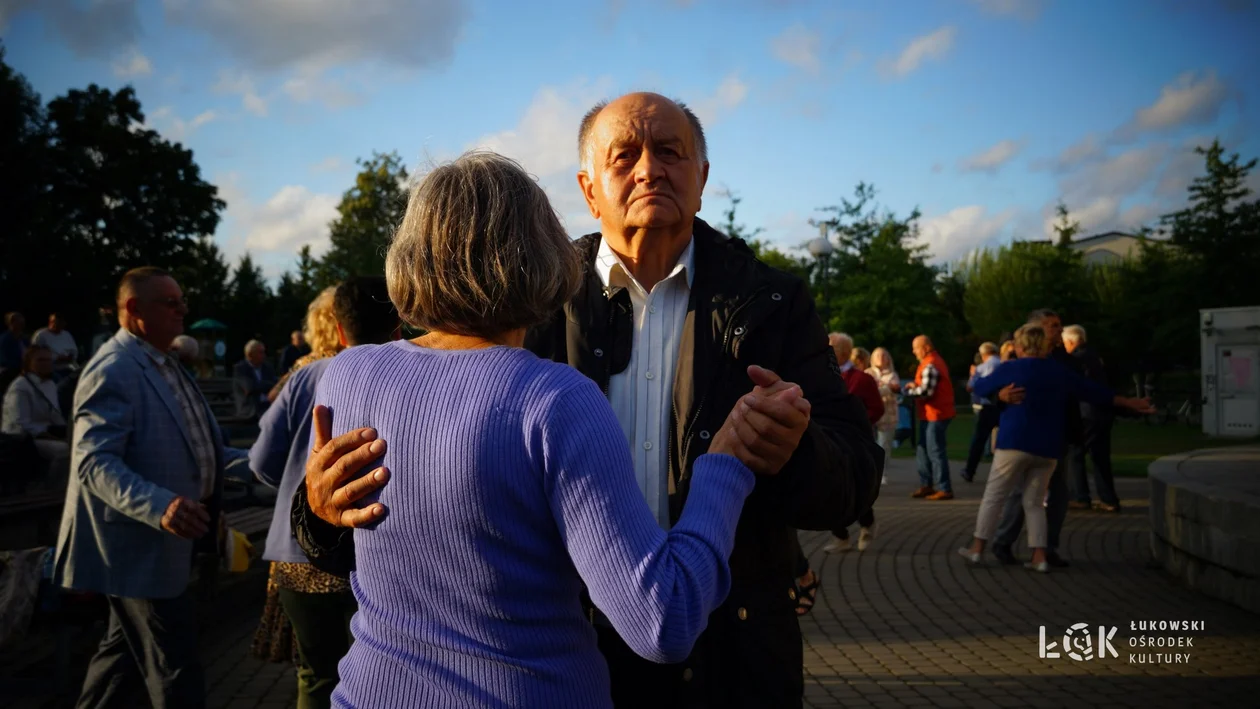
(1030,437)
(511,488)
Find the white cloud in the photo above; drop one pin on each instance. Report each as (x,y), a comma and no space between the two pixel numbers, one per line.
(132,64)
(798,46)
(310,85)
(959,232)
(728,95)
(1117,176)
(934,45)
(165,121)
(1099,214)
(1084,150)
(992,159)
(242,83)
(544,141)
(1190,100)
(270,34)
(276,229)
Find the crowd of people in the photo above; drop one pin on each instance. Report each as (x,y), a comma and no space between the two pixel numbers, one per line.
(580,486)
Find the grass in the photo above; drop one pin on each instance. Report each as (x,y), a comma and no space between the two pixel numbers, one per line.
(1134,444)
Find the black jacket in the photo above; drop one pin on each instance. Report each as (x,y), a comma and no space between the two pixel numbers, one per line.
(741,312)
(1090,366)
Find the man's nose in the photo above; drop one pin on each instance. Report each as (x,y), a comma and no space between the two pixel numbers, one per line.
(649,168)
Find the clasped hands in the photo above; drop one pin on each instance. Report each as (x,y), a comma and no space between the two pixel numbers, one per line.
(762,430)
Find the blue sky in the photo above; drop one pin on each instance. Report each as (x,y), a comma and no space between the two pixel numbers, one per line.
(982,113)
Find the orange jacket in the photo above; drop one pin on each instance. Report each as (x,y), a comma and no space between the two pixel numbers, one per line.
(940,405)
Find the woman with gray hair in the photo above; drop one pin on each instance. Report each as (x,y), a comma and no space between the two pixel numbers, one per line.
(511,487)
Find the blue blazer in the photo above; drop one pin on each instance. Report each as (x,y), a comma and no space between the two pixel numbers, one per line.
(131,455)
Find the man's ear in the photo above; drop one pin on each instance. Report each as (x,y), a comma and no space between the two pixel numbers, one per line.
(587,185)
(341,336)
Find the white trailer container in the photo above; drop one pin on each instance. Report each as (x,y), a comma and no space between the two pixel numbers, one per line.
(1230,365)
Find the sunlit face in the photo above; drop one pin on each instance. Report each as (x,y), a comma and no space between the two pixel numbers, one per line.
(159,309)
(920,348)
(645,172)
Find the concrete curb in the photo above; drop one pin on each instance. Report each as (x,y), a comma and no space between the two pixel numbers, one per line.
(1206,534)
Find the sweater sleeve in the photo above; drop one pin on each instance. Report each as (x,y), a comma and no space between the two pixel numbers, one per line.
(990,385)
(657,588)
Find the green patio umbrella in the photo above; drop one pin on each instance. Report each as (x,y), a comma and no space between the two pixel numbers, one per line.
(208,324)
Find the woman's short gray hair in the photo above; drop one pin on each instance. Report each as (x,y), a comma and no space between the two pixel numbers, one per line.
(480,251)
(1075,333)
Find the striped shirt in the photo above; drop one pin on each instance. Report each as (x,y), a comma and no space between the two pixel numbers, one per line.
(927,387)
(642,395)
(193,406)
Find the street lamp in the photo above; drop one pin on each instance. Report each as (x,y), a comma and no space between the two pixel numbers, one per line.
(821,250)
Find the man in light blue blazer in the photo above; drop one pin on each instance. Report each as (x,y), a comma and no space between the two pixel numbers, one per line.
(145,485)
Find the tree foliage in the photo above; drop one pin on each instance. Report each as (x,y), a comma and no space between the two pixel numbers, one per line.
(1004,284)
(367,216)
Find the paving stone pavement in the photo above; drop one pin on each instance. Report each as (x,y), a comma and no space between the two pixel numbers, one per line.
(909,623)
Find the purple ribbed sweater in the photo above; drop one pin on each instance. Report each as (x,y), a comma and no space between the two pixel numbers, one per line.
(512,486)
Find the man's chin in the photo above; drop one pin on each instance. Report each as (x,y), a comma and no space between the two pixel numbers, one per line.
(656,218)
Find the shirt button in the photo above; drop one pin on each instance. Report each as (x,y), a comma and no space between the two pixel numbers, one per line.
(599,352)
(652,309)
(648,375)
(742,613)
(704,435)
(688,674)
(647,445)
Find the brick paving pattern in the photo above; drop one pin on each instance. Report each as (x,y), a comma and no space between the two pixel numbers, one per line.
(908,623)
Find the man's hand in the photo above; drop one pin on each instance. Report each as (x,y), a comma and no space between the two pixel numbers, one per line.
(186,518)
(1137,406)
(1011,394)
(766,425)
(331,486)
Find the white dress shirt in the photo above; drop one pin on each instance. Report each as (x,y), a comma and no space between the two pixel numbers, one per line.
(642,395)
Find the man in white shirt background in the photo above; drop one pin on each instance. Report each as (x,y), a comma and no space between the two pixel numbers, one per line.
(56,338)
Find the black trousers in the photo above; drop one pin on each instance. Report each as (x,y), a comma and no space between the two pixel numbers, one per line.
(1097,444)
(986,421)
(866,519)
(321,622)
(149,644)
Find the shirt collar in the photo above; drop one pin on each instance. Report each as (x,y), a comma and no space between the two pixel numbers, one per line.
(159,357)
(846,366)
(612,271)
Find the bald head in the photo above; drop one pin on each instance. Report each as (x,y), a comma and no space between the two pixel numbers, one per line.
(922,347)
(842,344)
(586,148)
(643,172)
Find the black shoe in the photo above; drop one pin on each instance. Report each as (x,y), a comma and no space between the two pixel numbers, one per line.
(1058,562)
(1004,556)
(969,477)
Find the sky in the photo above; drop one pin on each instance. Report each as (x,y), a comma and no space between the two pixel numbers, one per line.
(982,114)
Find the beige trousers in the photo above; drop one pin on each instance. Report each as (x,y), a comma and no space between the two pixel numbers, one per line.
(1015,470)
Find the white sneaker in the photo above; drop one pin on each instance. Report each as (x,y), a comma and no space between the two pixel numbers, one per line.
(884,481)
(971,556)
(837,544)
(866,535)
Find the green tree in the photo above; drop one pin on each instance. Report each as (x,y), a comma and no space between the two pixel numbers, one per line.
(294,293)
(204,279)
(249,308)
(1066,227)
(1003,285)
(91,193)
(881,290)
(367,216)
(1220,231)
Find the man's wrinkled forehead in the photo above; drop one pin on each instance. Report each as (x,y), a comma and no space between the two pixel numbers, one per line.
(643,121)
